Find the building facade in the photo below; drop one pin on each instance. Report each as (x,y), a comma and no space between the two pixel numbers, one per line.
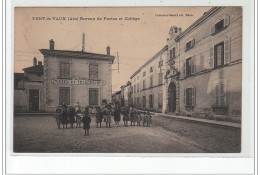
(28,89)
(148,81)
(205,65)
(76,76)
(126,94)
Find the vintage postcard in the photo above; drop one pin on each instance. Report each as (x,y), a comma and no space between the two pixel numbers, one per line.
(127,80)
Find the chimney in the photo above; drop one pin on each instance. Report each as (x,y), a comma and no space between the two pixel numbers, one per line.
(39,63)
(108,50)
(51,44)
(34,61)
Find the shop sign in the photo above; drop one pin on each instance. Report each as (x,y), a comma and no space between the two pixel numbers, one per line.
(78,81)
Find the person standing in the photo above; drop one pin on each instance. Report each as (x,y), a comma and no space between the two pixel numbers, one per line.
(126,116)
(98,117)
(117,116)
(77,107)
(86,120)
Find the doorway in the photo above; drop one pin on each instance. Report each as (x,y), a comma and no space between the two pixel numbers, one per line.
(172,97)
(34,100)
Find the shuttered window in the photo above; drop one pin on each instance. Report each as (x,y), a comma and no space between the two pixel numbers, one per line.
(160,78)
(151,81)
(190,97)
(219,54)
(64,70)
(93,71)
(220,95)
(151,101)
(64,95)
(93,96)
(160,100)
(188,66)
(144,101)
(144,86)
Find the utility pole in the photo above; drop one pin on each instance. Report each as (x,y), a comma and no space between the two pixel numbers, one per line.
(83,42)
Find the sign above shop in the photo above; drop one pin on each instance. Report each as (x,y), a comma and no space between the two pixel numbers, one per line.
(78,81)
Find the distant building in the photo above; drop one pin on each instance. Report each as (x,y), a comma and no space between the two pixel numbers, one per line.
(126,94)
(28,91)
(117,98)
(205,65)
(147,82)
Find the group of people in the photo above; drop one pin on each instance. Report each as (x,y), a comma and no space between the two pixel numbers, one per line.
(104,113)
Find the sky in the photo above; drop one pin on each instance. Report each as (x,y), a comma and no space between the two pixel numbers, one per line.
(137,34)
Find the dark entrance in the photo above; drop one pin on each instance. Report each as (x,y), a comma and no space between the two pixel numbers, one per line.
(34,100)
(172,97)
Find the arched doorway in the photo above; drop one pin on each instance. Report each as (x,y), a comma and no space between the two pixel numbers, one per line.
(172,97)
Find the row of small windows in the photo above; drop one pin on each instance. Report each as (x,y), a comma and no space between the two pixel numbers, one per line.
(150,101)
(64,96)
(160,82)
(219,56)
(65,71)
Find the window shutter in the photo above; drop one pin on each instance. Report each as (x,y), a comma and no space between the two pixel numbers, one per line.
(93,71)
(227,51)
(184,98)
(193,65)
(222,95)
(184,69)
(226,20)
(211,62)
(193,42)
(212,30)
(217,95)
(193,99)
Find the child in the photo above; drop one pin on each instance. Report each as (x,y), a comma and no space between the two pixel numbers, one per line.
(86,122)
(148,119)
(99,117)
(138,118)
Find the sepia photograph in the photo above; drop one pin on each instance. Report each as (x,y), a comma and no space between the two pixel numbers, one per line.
(127,79)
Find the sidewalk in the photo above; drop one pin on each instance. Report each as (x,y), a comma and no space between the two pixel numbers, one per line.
(222,123)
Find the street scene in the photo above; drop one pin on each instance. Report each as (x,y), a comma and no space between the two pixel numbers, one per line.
(166,135)
(102,80)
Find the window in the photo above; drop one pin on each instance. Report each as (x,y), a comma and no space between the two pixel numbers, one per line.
(173,53)
(188,66)
(144,73)
(190,44)
(219,26)
(144,101)
(189,97)
(160,64)
(219,54)
(64,70)
(160,100)
(134,89)
(64,95)
(151,81)
(151,69)
(137,88)
(220,95)
(93,96)
(144,84)
(138,101)
(93,71)
(160,78)
(151,100)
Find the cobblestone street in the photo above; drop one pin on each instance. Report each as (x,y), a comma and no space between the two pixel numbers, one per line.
(166,135)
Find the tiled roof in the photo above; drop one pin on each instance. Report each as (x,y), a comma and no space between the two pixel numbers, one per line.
(34,69)
(77,54)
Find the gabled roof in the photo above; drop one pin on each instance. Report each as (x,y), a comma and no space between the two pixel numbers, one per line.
(34,69)
(76,54)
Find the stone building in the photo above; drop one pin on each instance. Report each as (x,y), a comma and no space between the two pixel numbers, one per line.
(28,89)
(76,76)
(147,83)
(205,65)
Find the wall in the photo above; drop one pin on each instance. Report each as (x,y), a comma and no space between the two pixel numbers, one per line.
(79,68)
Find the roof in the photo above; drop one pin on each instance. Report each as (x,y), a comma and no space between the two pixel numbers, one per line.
(206,15)
(150,60)
(76,54)
(34,69)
